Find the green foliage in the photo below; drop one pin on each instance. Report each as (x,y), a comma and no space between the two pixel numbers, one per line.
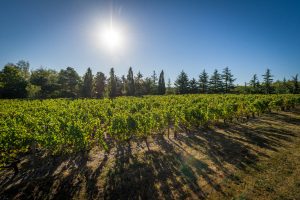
(161,84)
(100,83)
(13,82)
(59,126)
(182,83)
(88,86)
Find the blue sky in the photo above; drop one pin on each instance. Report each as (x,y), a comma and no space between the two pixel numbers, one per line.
(247,36)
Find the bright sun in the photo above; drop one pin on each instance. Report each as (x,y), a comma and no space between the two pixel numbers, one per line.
(112,38)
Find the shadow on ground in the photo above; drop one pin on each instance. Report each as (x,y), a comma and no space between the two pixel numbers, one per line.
(189,166)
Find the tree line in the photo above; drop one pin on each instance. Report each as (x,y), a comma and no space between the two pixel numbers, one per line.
(16,81)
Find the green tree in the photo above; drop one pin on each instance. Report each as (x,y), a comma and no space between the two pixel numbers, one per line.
(139,84)
(161,83)
(154,83)
(203,82)
(295,84)
(47,80)
(87,87)
(182,83)
(147,86)
(169,87)
(12,82)
(215,82)
(227,80)
(69,81)
(254,84)
(130,83)
(24,67)
(193,86)
(112,86)
(100,82)
(267,84)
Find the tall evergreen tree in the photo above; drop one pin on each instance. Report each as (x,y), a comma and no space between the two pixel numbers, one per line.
(100,82)
(130,83)
(124,85)
(182,83)
(139,84)
(227,80)
(254,84)
(161,83)
(154,83)
(193,86)
(112,87)
(268,81)
(203,82)
(169,88)
(87,87)
(295,84)
(215,82)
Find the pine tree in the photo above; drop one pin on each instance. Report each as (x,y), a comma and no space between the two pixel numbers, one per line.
(139,84)
(87,88)
(254,83)
(161,84)
(130,83)
(112,87)
(182,83)
(193,86)
(227,80)
(154,83)
(100,81)
(295,84)
(215,82)
(169,88)
(203,82)
(268,81)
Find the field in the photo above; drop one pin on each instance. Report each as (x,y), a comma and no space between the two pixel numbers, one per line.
(154,147)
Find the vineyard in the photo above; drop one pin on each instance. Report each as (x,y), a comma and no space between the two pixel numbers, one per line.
(62,126)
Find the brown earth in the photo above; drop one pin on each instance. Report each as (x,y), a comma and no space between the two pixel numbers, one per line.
(257,159)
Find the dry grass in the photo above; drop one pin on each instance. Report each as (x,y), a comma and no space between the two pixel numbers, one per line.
(258,159)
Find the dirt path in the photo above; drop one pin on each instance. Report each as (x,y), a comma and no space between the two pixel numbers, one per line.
(256,159)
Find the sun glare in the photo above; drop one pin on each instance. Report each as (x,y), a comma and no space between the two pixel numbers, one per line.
(112,38)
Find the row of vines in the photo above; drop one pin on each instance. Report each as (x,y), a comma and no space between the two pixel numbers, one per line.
(59,126)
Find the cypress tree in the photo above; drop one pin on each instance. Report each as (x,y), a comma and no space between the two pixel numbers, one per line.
(112,88)
(130,83)
(161,83)
(87,88)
